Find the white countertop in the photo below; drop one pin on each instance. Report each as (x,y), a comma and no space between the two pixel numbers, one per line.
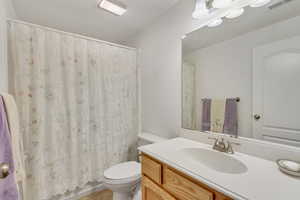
(262,181)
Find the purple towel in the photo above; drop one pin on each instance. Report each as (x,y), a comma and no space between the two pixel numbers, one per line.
(8,187)
(231,117)
(206,105)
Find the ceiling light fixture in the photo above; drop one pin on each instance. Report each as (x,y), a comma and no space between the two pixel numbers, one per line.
(259,3)
(206,7)
(235,13)
(215,22)
(112,6)
(221,3)
(201,9)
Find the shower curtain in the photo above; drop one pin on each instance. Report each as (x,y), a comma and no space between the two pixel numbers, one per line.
(188,96)
(78,105)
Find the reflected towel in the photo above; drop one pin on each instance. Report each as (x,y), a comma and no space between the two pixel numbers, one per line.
(206,106)
(231,117)
(217,115)
(8,186)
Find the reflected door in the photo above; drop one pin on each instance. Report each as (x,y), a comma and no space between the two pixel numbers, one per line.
(276,92)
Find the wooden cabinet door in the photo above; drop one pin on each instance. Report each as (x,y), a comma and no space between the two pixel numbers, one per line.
(151,191)
(184,189)
(152,169)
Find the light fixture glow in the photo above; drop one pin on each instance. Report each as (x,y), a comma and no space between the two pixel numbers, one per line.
(198,14)
(201,9)
(215,22)
(221,3)
(183,37)
(259,3)
(235,13)
(112,6)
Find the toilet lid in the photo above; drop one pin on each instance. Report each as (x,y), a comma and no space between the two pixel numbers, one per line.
(124,171)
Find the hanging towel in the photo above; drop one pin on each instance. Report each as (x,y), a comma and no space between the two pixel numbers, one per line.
(217,115)
(206,105)
(8,186)
(231,117)
(16,140)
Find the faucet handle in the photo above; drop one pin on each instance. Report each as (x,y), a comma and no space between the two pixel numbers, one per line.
(229,147)
(215,139)
(234,143)
(212,138)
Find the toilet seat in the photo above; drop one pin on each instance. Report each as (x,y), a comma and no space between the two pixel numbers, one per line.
(123,173)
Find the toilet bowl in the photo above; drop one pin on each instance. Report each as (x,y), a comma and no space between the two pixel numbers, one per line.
(123,179)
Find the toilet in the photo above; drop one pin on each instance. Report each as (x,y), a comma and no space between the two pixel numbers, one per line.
(124,179)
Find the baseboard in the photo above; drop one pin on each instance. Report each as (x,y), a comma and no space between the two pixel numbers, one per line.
(85,192)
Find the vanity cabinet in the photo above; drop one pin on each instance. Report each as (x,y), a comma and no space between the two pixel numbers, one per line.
(152,191)
(162,182)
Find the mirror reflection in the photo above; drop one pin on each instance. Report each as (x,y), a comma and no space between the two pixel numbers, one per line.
(242,77)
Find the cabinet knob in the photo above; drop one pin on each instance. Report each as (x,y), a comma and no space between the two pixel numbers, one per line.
(4,170)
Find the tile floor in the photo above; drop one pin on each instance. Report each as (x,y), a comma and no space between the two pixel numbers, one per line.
(103,195)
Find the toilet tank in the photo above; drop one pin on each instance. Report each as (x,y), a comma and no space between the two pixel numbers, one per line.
(148,138)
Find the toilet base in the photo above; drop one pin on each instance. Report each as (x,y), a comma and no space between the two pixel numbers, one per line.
(122,196)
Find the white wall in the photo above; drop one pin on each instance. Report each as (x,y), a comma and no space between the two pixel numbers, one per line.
(160,61)
(225,69)
(6,11)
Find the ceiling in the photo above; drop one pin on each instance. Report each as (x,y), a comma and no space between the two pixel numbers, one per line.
(253,19)
(83,16)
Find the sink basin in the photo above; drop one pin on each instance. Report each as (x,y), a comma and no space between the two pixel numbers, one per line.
(214,160)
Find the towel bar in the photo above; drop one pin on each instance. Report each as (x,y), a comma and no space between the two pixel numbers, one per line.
(238,99)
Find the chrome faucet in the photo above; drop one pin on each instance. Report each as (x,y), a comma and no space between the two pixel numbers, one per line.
(223,146)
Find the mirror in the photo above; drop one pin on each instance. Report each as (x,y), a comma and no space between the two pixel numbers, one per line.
(242,77)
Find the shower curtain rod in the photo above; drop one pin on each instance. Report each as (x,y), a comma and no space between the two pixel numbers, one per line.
(71,34)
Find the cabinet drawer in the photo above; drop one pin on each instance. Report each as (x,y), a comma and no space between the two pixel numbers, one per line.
(151,191)
(152,169)
(184,189)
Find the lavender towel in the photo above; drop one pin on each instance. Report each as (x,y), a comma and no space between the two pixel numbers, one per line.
(206,106)
(8,187)
(231,117)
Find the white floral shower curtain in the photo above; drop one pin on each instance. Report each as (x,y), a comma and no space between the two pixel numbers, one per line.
(189,111)
(78,107)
